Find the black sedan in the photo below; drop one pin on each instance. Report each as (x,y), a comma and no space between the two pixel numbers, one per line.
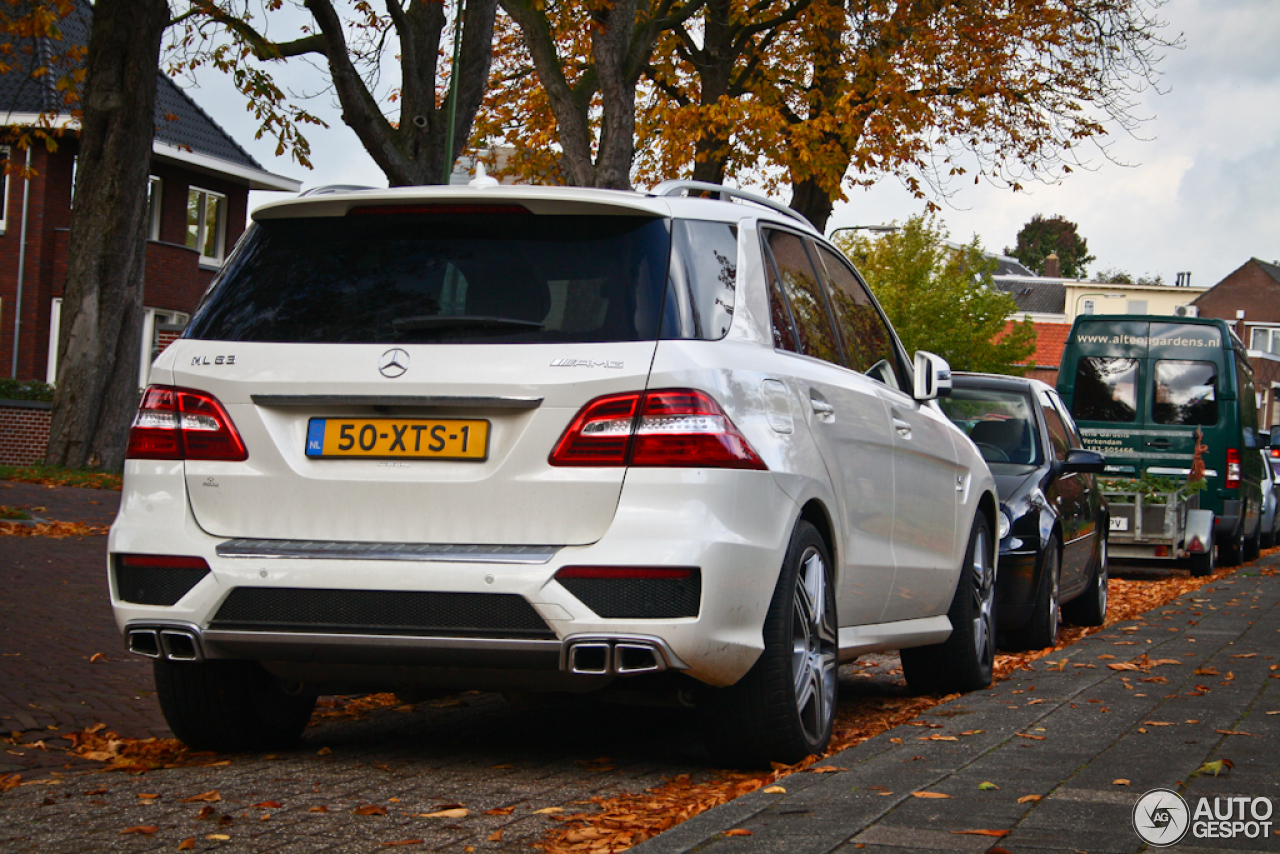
(1053,519)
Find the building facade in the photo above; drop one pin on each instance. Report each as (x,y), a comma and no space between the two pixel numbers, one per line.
(198,206)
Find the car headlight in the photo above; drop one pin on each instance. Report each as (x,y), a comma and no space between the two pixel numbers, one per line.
(1003,524)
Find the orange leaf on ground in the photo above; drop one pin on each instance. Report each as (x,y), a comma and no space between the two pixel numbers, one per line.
(187,844)
(496,836)
(828,769)
(211,796)
(145,829)
(1028,735)
(737,831)
(1030,799)
(402,842)
(500,811)
(268,805)
(457,812)
(995,833)
(370,809)
(929,795)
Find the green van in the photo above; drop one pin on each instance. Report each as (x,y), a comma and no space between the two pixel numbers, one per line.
(1140,386)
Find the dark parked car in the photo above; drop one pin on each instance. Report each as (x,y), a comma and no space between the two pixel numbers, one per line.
(1053,519)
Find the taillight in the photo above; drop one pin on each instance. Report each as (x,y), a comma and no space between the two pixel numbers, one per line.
(183,424)
(668,428)
(1233,468)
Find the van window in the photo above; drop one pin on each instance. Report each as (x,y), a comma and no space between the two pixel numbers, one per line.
(1106,389)
(1185,393)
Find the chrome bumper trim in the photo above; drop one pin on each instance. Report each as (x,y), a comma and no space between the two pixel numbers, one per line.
(336,550)
(451,401)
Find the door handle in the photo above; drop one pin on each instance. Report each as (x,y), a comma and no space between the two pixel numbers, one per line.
(1159,443)
(824,410)
(903,427)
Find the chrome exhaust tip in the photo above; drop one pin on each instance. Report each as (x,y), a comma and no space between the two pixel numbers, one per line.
(144,642)
(631,658)
(592,658)
(179,645)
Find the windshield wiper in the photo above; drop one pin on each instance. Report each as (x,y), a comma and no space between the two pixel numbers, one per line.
(462,321)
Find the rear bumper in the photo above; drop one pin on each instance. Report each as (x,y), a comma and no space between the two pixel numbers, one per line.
(735,532)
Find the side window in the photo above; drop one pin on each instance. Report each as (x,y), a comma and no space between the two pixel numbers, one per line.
(1057,429)
(1073,432)
(1106,389)
(868,342)
(702,280)
(1185,392)
(804,295)
(784,335)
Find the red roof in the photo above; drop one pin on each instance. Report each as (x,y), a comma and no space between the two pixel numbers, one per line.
(1051,340)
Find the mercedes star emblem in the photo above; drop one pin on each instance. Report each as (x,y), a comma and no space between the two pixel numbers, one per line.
(393,363)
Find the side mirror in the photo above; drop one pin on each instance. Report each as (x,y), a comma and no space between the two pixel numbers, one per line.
(1275,435)
(1084,460)
(933,376)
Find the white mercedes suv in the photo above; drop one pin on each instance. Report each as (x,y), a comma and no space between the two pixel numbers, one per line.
(537,439)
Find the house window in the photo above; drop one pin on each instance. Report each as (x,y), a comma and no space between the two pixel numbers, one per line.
(1136,306)
(1088,306)
(153,207)
(206,223)
(1266,338)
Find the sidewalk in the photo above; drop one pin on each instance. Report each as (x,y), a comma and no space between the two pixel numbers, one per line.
(1071,733)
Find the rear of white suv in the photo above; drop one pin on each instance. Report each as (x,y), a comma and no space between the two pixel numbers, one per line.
(521,439)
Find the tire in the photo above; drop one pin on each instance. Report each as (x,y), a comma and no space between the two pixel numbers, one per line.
(1041,629)
(1201,564)
(1090,607)
(229,706)
(784,708)
(1253,545)
(1231,552)
(964,661)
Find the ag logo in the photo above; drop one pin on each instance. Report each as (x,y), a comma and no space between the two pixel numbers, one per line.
(1161,817)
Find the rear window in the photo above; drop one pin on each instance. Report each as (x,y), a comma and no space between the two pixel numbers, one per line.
(1000,423)
(468,278)
(1185,393)
(1106,389)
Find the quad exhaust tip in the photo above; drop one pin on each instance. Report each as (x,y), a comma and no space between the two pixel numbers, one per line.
(169,643)
(614,657)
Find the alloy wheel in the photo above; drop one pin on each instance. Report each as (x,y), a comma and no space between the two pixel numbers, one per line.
(983,580)
(813,647)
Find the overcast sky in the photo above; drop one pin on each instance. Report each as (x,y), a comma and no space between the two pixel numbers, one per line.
(1201,193)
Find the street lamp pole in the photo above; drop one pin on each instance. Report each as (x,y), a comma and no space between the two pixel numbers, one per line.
(875,229)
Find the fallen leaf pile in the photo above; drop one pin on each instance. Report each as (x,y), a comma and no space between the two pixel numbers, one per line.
(55,530)
(629,819)
(98,744)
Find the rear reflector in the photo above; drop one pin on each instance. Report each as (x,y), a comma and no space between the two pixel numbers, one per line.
(167,561)
(629,572)
(667,428)
(183,424)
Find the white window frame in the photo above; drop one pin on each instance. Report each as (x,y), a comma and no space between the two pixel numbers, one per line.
(55,327)
(1273,336)
(1088,306)
(153,210)
(4,190)
(220,238)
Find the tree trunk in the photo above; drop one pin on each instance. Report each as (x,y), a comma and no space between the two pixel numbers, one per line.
(97,384)
(812,202)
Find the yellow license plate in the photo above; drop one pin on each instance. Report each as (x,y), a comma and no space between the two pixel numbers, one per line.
(424,438)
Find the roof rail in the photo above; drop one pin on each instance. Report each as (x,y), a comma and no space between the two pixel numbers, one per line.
(330,189)
(675,188)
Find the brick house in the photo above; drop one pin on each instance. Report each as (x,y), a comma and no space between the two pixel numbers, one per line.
(199,186)
(199,194)
(1249,297)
